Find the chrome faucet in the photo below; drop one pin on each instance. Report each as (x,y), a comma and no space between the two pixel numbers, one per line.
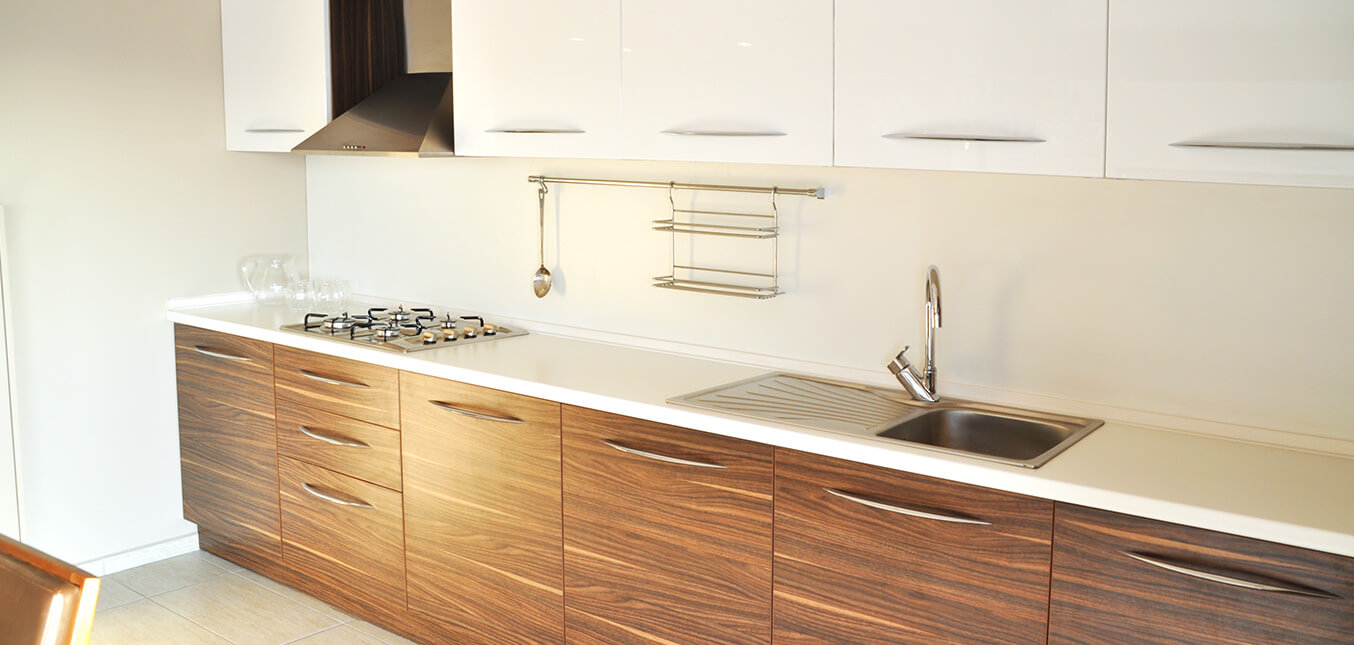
(923,386)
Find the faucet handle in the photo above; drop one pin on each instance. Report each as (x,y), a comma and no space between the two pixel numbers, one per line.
(900,357)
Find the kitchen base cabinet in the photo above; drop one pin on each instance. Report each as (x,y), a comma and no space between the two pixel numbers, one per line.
(227,444)
(482,511)
(870,555)
(1123,579)
(667,533)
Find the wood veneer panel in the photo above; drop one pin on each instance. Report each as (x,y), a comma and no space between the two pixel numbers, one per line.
(661,552)
(370,392)
(374,455)
(1102,596)
(227,442)
(482,512)
(352,548)
(847,572)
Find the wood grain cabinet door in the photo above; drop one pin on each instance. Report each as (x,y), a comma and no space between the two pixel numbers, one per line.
(871,555)
(227,444)
(667,533)
(362,450)
(350,388)
(482,511)
(1123,579)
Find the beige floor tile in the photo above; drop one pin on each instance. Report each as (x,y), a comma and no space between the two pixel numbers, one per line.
(380,634)
(341,635)
(145,623)
(218,561)
(244,612)
(168,575)
(292,594)
(113,594)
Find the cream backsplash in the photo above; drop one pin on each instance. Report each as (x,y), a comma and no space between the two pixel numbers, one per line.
(1215,302)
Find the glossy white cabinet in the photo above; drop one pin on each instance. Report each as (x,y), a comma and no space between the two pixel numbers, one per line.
(275,58)
(1185,74)
(537,78)
(985,85)
(727,80)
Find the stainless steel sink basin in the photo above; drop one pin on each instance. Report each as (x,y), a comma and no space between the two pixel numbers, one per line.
(1024,439)
(996,433)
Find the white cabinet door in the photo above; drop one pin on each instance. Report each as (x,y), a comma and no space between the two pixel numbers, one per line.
(275,64)
(537,78)
(727,80)
(989,85)
(1258,77)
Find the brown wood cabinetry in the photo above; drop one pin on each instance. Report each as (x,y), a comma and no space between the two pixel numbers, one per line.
(349,388)
(482,511)
(1123,579)
(363,450)
(871,555)
(227,445)
(343,532)
(667,533)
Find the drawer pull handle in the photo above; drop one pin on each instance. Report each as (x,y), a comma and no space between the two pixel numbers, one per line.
(331,381)
(334,499)
(963,137)
(1228,580)
(1261,145)
(214,354)
(662,458)
(908,511)
(724,133)
(329,438)
(272,130)
(471,413)
(537,131)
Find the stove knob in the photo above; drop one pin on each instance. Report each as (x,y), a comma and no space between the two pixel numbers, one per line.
(490,330)
(449,335)
(429,338)
(468,332)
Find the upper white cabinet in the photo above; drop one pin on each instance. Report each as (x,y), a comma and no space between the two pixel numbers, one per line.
(1232,91)
(727,80)
(275,65)
(988,85)
(537,78)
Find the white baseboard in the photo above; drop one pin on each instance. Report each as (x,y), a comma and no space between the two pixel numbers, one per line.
(133,558)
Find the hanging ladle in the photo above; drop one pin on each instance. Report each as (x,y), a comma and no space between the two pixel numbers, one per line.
(540,283)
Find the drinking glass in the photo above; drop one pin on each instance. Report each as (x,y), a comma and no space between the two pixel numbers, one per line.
(301,295)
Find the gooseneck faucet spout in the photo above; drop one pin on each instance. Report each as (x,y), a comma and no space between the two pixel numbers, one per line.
(923,386)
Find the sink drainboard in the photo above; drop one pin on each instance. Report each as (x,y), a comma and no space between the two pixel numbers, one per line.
(799,400)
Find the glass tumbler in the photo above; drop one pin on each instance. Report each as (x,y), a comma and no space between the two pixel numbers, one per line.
(301,295)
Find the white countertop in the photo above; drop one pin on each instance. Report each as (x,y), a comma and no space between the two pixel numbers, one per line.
(1287,496)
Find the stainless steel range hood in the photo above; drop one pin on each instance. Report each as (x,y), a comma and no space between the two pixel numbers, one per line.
(411,115)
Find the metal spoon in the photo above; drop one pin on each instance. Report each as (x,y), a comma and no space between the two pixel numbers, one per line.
(540,283)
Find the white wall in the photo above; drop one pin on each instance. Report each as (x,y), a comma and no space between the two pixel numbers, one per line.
(119,195)
(9,481)
(1208,301)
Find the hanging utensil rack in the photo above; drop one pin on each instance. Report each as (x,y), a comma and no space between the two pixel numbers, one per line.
(682,221)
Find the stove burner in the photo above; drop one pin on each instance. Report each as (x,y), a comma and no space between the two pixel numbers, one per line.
(401,329)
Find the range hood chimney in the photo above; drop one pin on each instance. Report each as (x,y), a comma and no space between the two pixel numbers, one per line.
(402,51)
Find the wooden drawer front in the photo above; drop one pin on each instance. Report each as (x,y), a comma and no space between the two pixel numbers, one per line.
(350,388)
(233,370)
(1103,595)
(362,450)
(228,458)
(860,569)
(482,511)
(660,551)
(342,531)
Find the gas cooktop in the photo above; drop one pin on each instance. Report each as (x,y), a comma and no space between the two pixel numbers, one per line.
(401,330)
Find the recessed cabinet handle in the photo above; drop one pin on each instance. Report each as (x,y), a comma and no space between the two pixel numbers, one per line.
(332,439)
(214,354)
(724,133)
(537,131)
(473,414)
(324,379)
(662,458)
(1228,580)
(963,137)
(939,517)
(334,499)
(272,130)
(1261,145)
